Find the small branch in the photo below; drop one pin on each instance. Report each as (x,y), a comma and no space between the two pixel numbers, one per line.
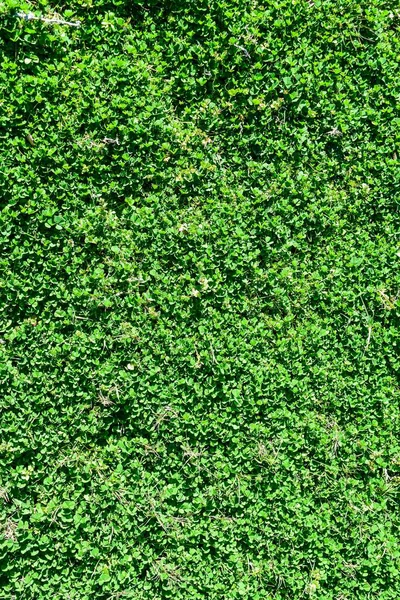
(31,17)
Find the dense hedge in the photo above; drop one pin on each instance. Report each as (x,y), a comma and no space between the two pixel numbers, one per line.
(199,300)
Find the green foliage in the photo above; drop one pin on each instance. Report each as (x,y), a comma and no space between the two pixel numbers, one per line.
(199,300)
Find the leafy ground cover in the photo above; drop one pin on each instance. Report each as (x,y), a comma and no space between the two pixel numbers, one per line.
(199,300)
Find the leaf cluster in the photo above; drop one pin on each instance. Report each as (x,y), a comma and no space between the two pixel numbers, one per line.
(199,300)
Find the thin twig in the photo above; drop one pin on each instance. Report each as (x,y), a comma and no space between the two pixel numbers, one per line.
(245,52)
(212,354)
(335,132)
(369,337)
(108,140)
(31,17)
